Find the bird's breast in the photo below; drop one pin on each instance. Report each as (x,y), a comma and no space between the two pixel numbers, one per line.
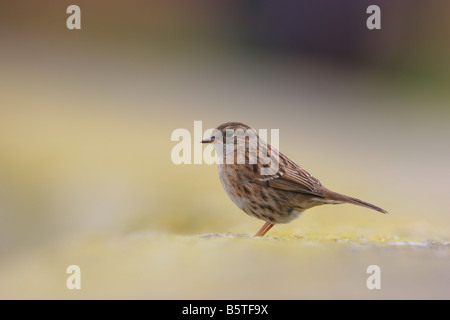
(233,185)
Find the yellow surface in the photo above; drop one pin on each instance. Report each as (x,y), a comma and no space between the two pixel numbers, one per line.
(104,195)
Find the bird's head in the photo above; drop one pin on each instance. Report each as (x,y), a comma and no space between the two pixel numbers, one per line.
(230,131)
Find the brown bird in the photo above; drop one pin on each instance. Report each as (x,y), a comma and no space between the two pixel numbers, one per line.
(265,183)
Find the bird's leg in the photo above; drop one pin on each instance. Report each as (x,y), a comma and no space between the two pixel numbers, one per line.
(266,227)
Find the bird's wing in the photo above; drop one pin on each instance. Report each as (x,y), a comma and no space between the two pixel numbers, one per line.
(291,177)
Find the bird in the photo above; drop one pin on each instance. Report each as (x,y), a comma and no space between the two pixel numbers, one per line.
(276,193)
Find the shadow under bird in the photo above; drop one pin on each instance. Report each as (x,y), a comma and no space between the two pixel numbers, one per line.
(275,195)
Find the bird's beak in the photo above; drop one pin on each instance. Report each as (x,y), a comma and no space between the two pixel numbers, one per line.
(209,140)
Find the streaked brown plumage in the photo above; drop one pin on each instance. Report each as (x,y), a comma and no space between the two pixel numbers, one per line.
(277,197)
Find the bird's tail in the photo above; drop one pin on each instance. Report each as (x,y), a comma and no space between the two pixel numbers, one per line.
(334,196)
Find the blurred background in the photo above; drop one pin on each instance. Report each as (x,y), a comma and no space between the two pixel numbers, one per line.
(86,118)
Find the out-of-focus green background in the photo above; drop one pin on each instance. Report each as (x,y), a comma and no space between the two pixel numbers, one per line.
(86,176)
